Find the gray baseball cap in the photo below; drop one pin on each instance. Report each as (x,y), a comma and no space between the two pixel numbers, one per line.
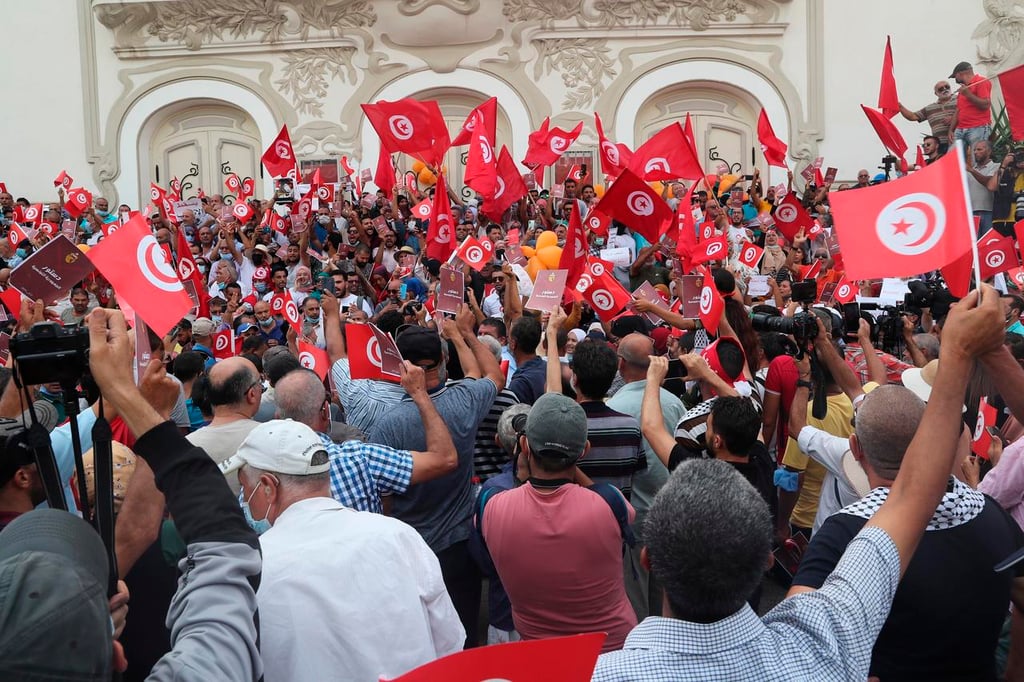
(556,427)
(53,600)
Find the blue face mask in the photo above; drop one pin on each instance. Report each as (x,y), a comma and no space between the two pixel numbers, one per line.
(102,214)
(20,253)
(216,319)
(261,526)
(225,256)
(261,287)
(202,268)
(312,320)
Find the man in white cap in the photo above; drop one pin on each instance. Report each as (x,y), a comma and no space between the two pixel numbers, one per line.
(344,594)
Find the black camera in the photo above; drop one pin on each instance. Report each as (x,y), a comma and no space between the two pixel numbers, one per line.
(805,292)
(922,294)
(803,325)
(50,353)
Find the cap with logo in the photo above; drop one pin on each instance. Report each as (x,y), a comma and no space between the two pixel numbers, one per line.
(280,446)
(556,427)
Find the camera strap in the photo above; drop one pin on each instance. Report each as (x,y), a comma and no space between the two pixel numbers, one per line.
(102,449)
(46,464)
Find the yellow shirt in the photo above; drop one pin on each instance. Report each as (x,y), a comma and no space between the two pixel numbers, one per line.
(838,421)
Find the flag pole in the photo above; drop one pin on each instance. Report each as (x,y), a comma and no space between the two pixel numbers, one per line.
(970,212)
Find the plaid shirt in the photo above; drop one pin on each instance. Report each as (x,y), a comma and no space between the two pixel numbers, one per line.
(823,635)
(362,472)
(894,367)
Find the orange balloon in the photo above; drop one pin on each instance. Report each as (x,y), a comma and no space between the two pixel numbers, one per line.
(528,251)
(599,191)
(426,178)
(546,238)
(533,266)
(417,166)
(549,256)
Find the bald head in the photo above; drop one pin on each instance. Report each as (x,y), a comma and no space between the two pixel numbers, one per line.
(887,420)
(635,351)
(300,395)
(235,385)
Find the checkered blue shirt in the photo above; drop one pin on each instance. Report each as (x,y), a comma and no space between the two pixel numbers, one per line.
(362,472)
(823,635)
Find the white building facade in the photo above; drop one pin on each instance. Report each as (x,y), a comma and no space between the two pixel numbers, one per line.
(123,93)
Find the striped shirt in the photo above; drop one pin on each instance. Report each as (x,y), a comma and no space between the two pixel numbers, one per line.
(365,400)
(615,447)
(488,456)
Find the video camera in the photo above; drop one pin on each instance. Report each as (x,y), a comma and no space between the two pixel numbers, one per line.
(803,326)
(50,353)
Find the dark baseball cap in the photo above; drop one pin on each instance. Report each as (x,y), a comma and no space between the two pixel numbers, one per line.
(962,66)
(556,427)
(53,599)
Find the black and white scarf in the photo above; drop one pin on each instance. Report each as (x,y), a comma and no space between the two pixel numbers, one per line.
(960,504)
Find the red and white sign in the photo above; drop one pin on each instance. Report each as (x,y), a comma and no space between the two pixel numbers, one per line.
(750,254)
(64,180)
(711,249)
(224,344)
(314,358)
(372,354)
(982,439)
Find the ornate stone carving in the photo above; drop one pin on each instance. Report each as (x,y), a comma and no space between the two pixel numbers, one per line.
(194,23)
(584,65)
(541,10)
(697,15)
(307,73)
(413,7)
(1001,34)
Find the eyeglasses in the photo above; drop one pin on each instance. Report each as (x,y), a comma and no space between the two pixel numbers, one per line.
(256,384)
(498,279)
(944,88)
(821,256)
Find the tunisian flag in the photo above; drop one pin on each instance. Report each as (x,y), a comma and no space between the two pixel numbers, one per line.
(135,265)
(773,148)
(314,358)
(574,253)
(790,216)
(187,270)
(632,202)
(917,223)
(1012,84)
(384,176)
(546,145)
(508,187)
(279,159)
(481,165)
(615,156)
(439,232)
(410,126)
(891,138)
(487,115)
(666,156)
(888,100)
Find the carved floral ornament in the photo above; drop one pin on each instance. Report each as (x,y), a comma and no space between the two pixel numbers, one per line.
(1001,35)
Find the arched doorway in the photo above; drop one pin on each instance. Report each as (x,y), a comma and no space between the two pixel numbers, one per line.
(724,122)
(200,142)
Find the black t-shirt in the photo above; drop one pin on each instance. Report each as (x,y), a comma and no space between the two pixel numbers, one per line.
(759,469)
(950,606)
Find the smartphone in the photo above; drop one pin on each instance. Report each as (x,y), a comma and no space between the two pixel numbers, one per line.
(851,318)
(403,291)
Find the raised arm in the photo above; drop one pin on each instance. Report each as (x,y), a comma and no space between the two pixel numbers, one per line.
(554,366)
(440,457)
(333,337)
(674,319)
(489,366)
(450,331)
(652,419)
(973,328)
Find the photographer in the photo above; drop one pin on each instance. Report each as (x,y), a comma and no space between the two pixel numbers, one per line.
(1008,185)
(212,616)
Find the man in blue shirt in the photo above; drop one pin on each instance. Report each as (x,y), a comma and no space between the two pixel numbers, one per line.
(528,381)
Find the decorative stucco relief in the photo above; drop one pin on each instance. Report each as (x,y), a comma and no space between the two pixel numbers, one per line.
(306,75)
(585,66)
(1001,35)
(695,14)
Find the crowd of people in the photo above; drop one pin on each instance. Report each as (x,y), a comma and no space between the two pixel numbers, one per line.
(556,472)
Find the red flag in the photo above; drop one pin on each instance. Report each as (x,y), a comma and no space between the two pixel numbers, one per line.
(615,156)
(137,268)
(33,214)
(711,249)
(384,177)
(996,254)
(440,231)
(597,223)
(604,293)
(686,237)
(790,216)
(706,231)
(64,180)
(481,165)
(888,100)
(277,303)
(547,145)
(982,439)
(349,170)
(16,235)
(314,358)
(290,312)
(224,344)
(234,184)
(890,137)
(920,161)
(846,292)
(691,140)
(175,185)
(475,253)
(423,210)
(907,226)
(666,156)
(78,201)
(1012,84)
(508,187)
(712,305)
(812,271)
(773,148)
(487,115)
(365,345)
(750,254)
(633,203)
(279,159)
(276,221)
(325,193)
(574,253)
(242,211)
(410,126)
(11,298)
(187,270)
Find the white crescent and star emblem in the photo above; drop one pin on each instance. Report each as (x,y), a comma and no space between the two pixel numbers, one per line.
(558,144)
(639,203)
(373,352)
(499,187)
(912,224)
(602,299)
(307,360)
(658,163)
(785,213)
(153,264)
(283,149)
(706,300)
(401,127)
(610,151)
(995,259)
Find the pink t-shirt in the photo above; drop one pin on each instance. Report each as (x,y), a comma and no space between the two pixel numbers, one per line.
(559,556)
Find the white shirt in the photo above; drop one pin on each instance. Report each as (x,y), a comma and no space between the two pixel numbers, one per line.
(828,451)
(492,306)
(349,595)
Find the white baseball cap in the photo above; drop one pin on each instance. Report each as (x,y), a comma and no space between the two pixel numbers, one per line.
(280,446)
